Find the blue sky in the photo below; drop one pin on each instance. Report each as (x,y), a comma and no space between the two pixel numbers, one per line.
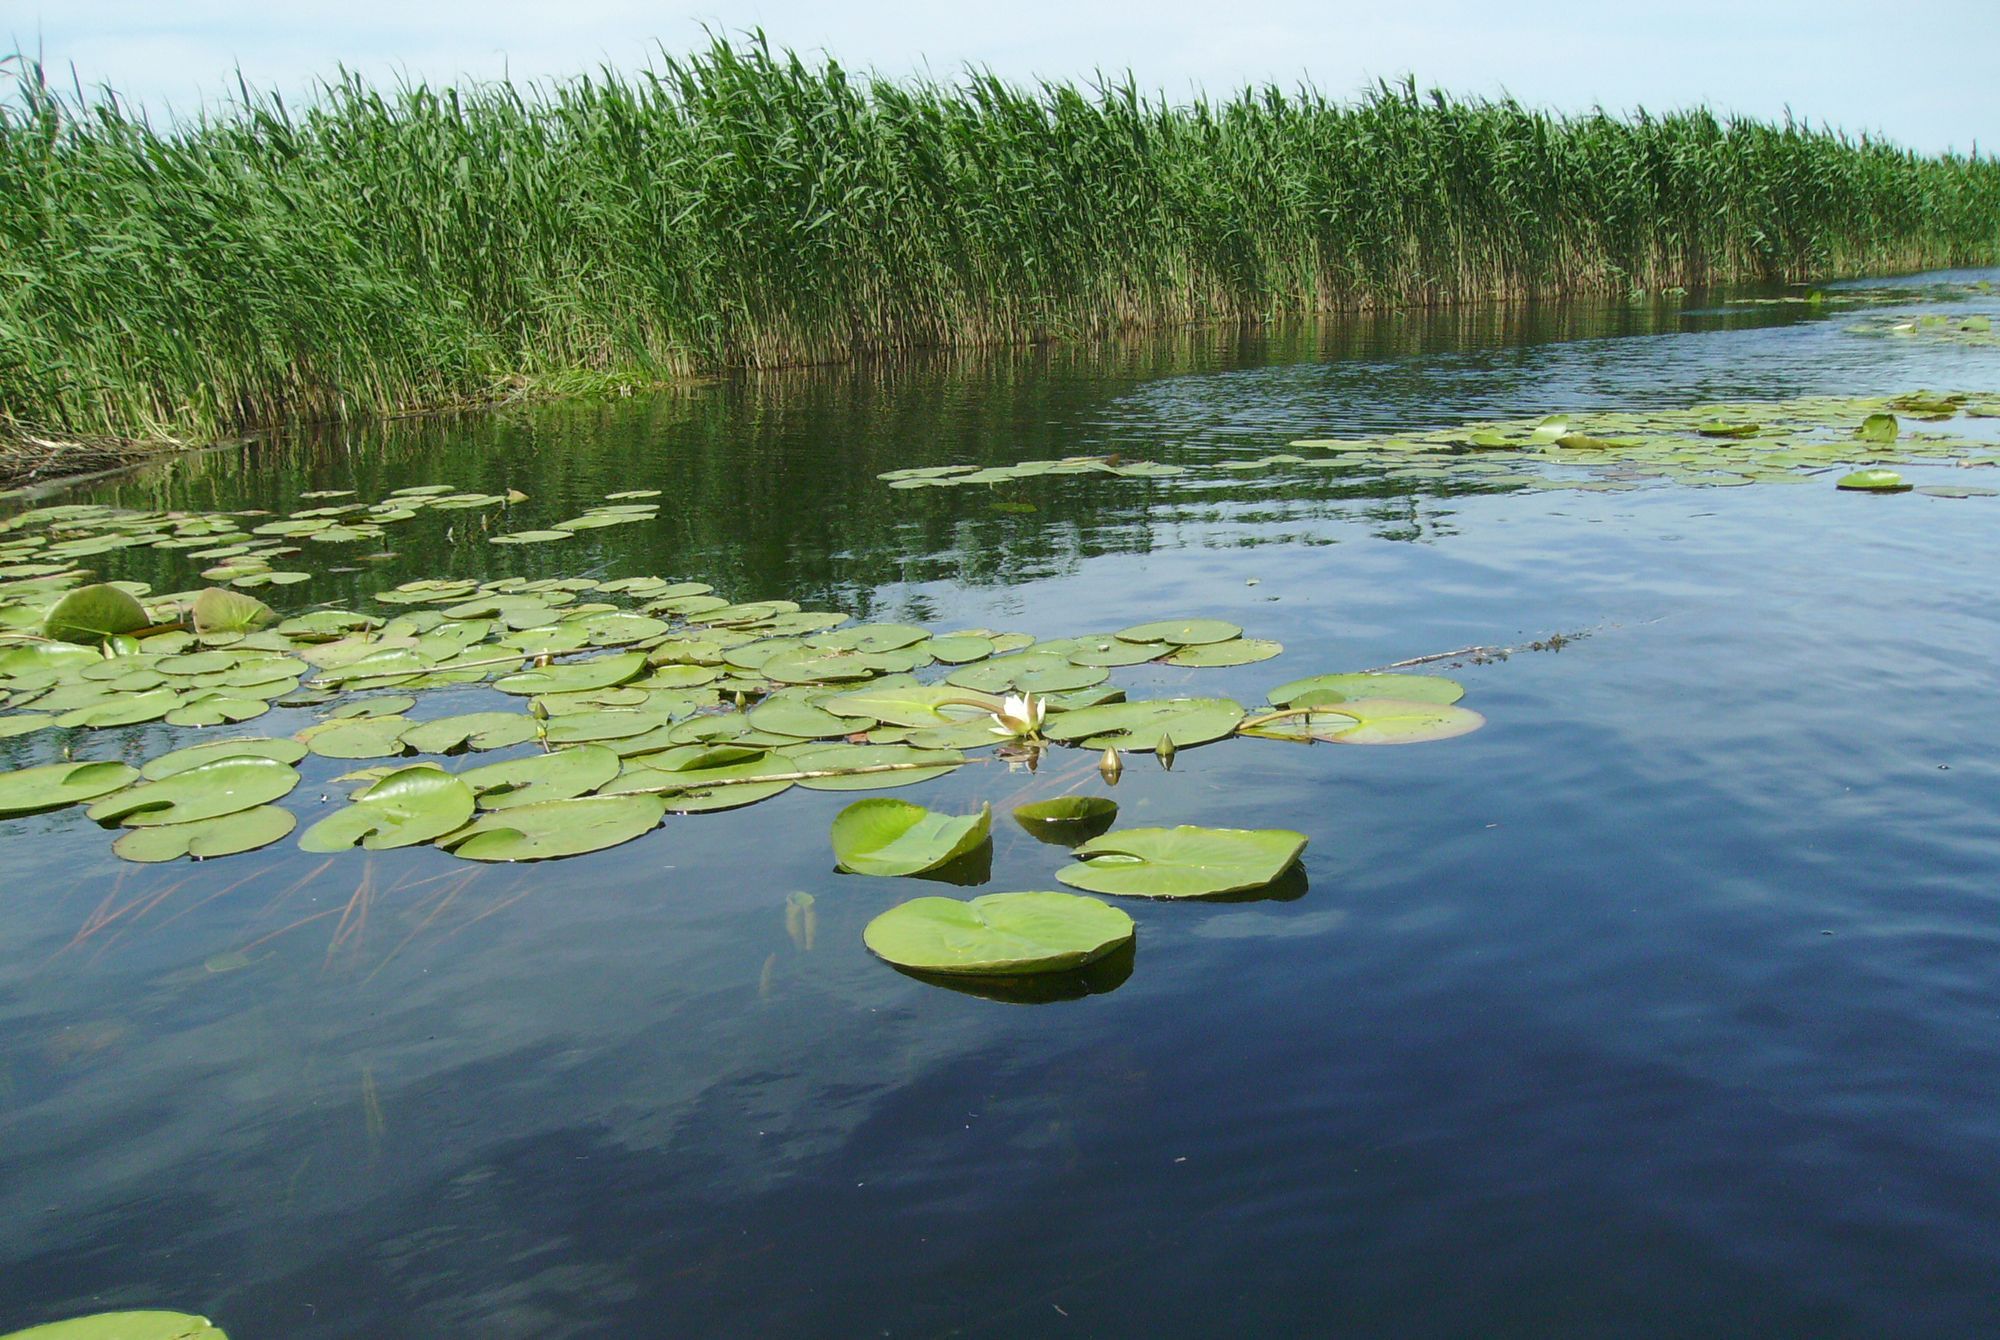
(1920,71)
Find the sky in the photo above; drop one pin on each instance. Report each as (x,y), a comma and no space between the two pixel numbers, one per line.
(1920,72)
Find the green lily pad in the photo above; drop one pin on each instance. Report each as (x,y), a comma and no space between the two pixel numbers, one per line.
(601,672)
(561,775)
(54,785)
(531,537)
(998,934)
(1956,491)
(406,807)
(1215,655)
(784,714)
(218,611)
(903,765)
(1181,632)
(1378,721)
(205,791)
(556,828)
(216,708)
(474,730)
(1873,481)
(180,760)
(1142,725)
(203,839)
(1320,690)
(697,778)
(124,1326)
(358,737)
(881,836)
(1067,820)
(913,705)
(123,709)
(90,614)
(1878,428)
(1183,862)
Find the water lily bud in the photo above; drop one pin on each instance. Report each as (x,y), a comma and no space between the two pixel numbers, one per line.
(1111,765)
(1165,752)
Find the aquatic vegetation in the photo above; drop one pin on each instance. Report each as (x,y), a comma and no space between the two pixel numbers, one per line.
(1970,331)
(1066,820)
(1183,862)
(610,231)
(125,1326)
(883,836)
(1873,481)
(998,934)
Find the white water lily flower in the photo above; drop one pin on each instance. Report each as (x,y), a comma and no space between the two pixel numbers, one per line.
(1019,714)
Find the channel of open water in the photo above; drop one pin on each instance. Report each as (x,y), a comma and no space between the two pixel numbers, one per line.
(1668,1003)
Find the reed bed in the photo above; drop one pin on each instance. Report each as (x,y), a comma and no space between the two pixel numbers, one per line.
(380,250)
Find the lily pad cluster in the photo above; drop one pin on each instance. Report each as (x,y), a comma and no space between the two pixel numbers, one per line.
(1711,446)
(1974,331)
(950,476)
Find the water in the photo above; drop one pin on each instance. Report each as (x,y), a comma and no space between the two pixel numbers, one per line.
(1667,1004)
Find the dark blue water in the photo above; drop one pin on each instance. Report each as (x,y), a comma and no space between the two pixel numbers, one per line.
(1667,1004)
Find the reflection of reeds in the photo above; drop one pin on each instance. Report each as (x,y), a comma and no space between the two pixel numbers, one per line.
(742,207)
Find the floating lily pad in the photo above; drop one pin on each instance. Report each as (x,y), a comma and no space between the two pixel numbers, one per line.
(913,705)
(123,709)
(556,828)
(891,764)
(1878,428)
(204,839)
(1236,651)
(1183,862)
(219,611)
(1067,820)
(180,760)
(881,836)
(1873,481)
(474,730)
(998,934)
(560,775)
(601,672)
(1142,725)
(406,807)
(124,1326)
(1378,721)
(90,614)
(358,737)
(1181,632)
(1319,690)
(531,537)
(201,792)
(54,785)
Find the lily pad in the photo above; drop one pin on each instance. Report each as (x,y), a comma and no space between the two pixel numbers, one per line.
(539,778)
(998,934)
(557,828)
(180,760)
(54,785)
(1181,632)
(1067,820)
(205,791)
(1319,690)
(1236,651)
(90,614)
(219,611)
(899,765)
(1142,725)
(882,836)
(575,676)
(203,839)
(358,737)
(474,730)
(1378,721)
(125,1326)
(1873,481)
(407,807)
(1183,862)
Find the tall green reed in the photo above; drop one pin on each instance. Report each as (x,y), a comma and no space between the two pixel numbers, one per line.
(379,250)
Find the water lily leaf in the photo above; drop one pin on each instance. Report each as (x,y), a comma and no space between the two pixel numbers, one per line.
(1067,820)
(474,730)
(180,760)
(218,611)
(913,705)
(1141,725)
(358,737)
(45,656)
(531,537)
(881,836)
(870,637)
(784,714)
(1111,652)
(204,791)
(123,710)
(1236,651)
(900,765)
(1878,428)
(998,934)
(54,785)
(90,614)
(216,708)
(697,778)
(1183,862)
(1956,491)
(124,1326)
(1320,690)
(1181,632)
(406,807)
(1029,672)
(1873,481)
(1378,721)
(388,705)
(600,672)
(556,828)
(204,839)
(560,775)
